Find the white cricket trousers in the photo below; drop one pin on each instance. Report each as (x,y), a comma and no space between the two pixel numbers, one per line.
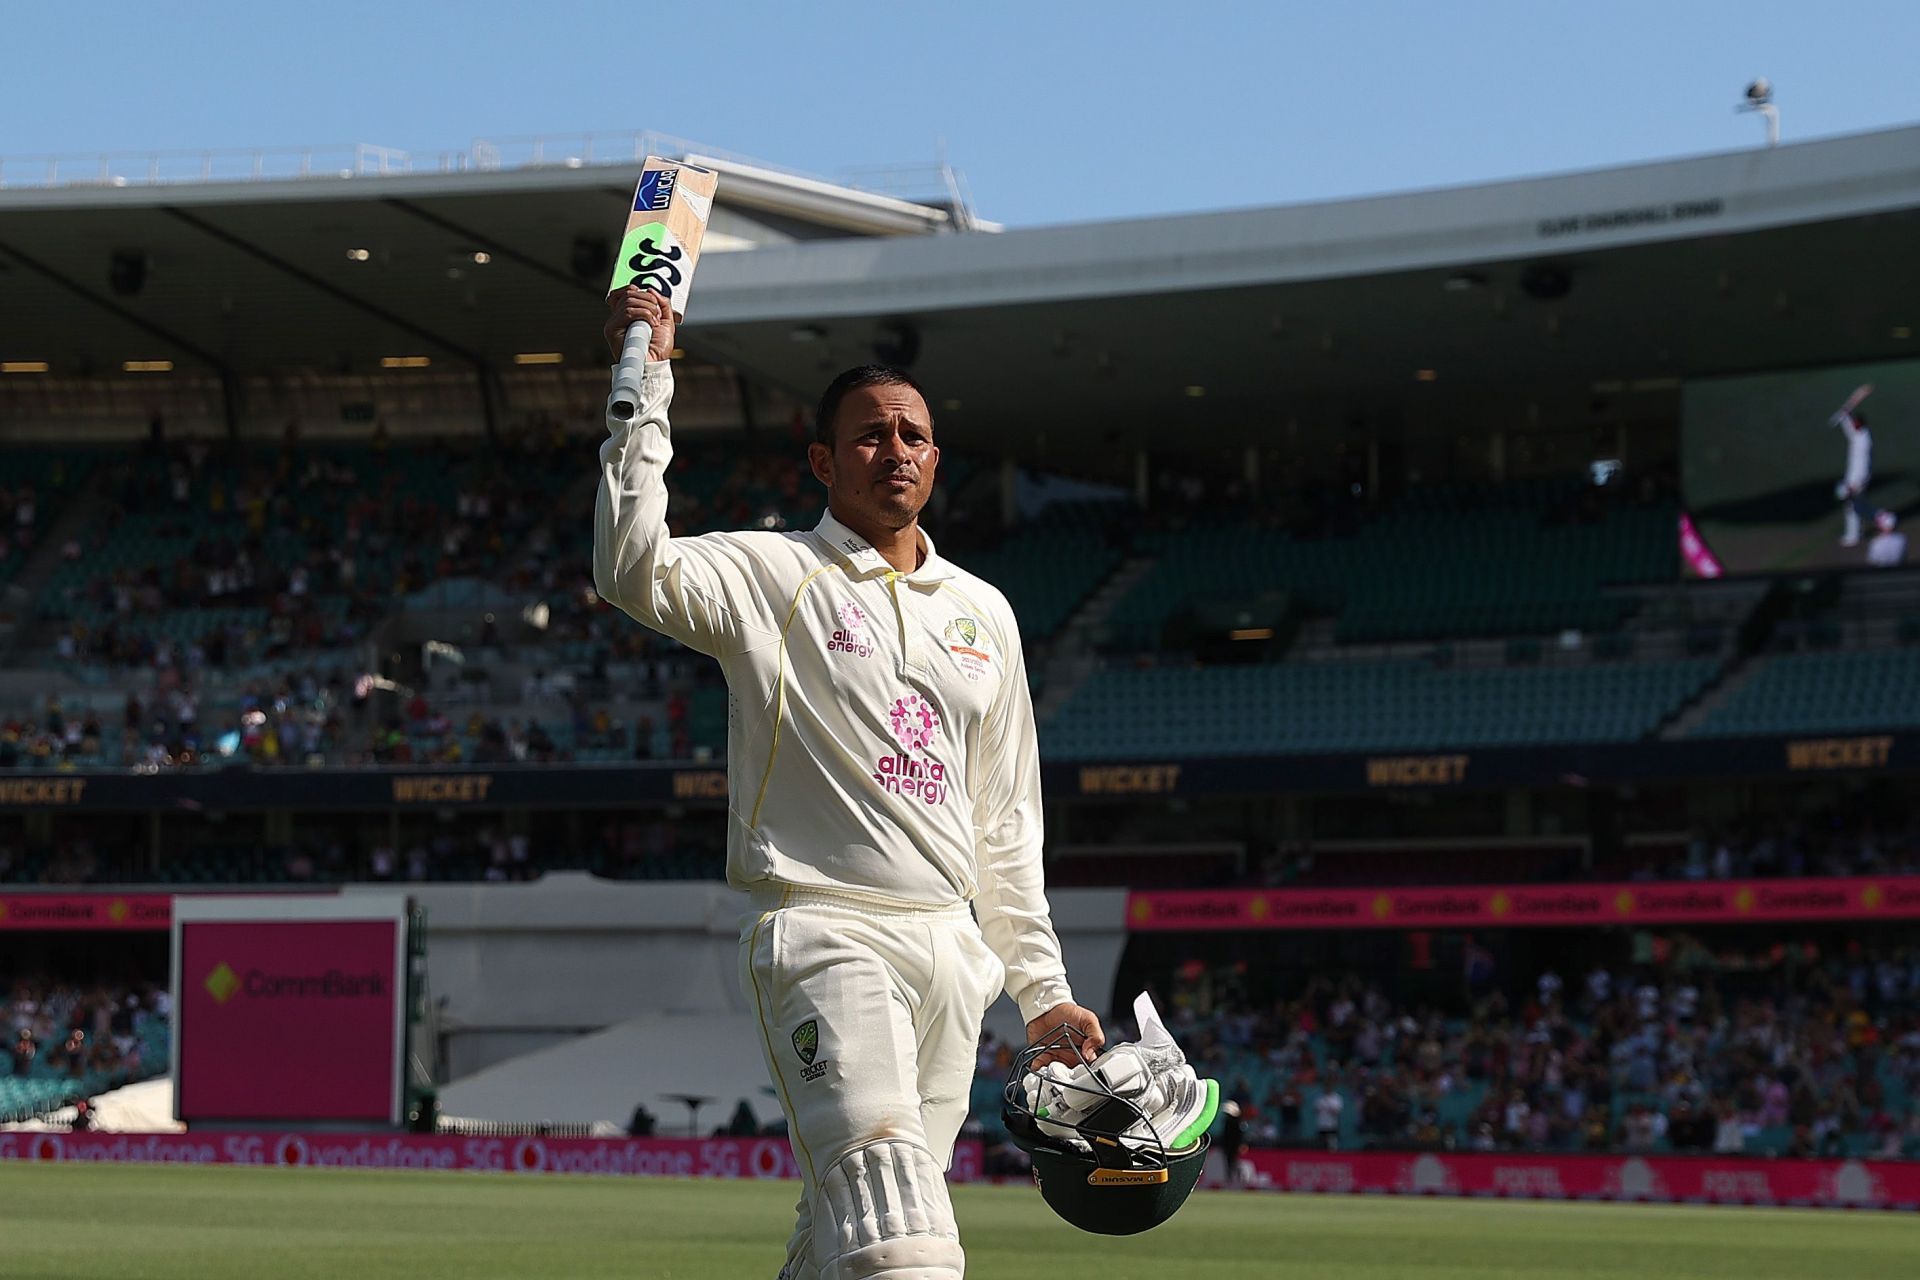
(870,1019)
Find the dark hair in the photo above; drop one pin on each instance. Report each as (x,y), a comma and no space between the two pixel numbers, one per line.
(864,375)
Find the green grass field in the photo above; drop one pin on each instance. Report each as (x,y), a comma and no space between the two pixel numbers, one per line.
(65,1222)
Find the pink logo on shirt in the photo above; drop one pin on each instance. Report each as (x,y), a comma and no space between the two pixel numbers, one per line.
(851,636)
(914,722)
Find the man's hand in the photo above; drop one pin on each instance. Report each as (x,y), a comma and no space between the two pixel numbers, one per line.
(634,303)
(1071,1015)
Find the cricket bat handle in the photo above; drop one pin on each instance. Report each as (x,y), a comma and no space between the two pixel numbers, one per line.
(627,374)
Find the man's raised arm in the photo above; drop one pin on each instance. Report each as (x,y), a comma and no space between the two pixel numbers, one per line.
(700,591)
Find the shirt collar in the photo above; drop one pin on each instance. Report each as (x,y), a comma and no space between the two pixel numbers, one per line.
(860,558)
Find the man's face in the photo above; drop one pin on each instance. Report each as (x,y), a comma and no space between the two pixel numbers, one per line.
(881,466)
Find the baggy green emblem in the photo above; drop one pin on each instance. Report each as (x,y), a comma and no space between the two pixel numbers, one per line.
(965,630)
(806,1040)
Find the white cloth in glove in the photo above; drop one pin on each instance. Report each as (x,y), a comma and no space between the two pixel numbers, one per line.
(1151,1073)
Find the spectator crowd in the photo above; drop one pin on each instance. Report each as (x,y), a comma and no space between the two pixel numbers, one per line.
(1797,1049)
(89,1036)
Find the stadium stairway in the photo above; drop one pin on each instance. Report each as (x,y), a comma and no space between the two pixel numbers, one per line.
(86,508)
(1703,705)
(1729,617)
(1073,658)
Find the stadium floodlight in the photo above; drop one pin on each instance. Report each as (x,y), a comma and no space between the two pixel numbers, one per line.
(1760,99)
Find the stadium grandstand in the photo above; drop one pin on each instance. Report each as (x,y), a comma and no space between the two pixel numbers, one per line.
(1396,555)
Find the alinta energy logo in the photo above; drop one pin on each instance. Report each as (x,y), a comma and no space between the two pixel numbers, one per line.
(915,724)
(851,636)
(223,982)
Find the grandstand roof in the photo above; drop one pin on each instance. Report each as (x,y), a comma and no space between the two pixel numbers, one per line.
(1719,263)
(255,276)
(1510,293)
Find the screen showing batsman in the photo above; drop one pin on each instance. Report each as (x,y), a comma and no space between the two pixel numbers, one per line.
(884,802)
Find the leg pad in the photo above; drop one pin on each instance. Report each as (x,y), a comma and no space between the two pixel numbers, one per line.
(883,1214)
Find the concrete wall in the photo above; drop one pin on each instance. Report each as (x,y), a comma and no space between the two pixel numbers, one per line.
(516,968)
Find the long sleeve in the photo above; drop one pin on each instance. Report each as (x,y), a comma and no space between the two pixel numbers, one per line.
(1011,900)
(701,591)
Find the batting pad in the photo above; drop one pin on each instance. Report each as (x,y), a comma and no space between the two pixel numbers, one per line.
(888,1216)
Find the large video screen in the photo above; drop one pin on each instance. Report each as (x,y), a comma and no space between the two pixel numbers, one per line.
(1805,469)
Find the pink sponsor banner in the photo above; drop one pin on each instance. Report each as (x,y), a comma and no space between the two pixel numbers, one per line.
(288,1019)
(1562,905)
(1865,1184)
(85,911)
(629,1157)
(1694,552)
(1874,1184)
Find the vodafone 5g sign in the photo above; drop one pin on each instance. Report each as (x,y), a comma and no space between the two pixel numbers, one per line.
(289,1009)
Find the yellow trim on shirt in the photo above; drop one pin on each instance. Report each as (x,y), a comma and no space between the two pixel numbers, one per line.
(773,1050)
(780,693)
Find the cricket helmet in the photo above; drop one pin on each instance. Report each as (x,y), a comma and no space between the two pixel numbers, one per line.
(1099,1156)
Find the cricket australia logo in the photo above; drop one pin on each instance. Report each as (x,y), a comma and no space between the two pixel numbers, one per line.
(967,648)
(806,1043)
(851,635)
(915,723)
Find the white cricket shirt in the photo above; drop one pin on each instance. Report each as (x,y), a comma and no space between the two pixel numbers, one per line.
(1859,453)
(880,736)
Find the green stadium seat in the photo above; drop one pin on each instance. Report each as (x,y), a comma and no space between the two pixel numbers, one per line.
(1357,707)
(1822,692)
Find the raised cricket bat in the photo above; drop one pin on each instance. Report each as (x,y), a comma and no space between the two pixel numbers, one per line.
(662,244)
(1860,393)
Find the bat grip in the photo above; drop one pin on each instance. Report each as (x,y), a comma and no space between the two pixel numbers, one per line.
(627,374)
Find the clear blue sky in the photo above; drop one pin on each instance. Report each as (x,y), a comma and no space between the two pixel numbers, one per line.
(1056,110)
